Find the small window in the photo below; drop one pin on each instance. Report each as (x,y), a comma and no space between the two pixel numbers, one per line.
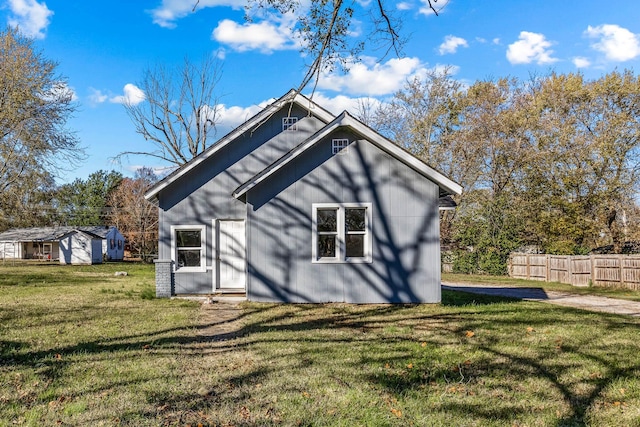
(113,243)
(341,232)
(289,123)
(340,146)
(188,245)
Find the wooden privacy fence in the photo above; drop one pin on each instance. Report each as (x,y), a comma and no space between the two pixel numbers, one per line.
(597,270)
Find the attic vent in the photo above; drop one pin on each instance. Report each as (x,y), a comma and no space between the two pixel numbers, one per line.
(289,123)
(340,146)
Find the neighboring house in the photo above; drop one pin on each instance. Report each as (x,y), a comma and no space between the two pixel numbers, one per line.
(299,205)
(68,244)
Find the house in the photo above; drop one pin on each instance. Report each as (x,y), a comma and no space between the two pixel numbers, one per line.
(299,205)
(69,245)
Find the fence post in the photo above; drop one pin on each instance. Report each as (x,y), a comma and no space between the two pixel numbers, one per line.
(547,270)
(569,270)
(620,260)
(592,269)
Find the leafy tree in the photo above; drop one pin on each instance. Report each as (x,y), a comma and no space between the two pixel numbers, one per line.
(87,202)
(586,173)
(180,110)
(134,216)
(35,104)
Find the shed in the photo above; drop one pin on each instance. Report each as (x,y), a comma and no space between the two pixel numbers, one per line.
(68,244)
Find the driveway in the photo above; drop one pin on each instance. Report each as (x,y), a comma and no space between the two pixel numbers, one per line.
(584,302)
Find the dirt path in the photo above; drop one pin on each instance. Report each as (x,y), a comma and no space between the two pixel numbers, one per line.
(584,302)
(220,321)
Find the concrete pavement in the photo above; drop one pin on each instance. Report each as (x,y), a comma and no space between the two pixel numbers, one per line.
(584,302)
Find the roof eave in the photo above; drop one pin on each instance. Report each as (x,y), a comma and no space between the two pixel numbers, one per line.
(345,119)
(291,96)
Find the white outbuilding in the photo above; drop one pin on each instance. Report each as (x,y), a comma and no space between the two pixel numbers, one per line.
(66,244)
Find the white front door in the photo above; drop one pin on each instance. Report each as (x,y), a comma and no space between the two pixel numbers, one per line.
(231,254)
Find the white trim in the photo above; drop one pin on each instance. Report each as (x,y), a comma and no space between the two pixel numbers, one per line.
(203,248)
(341,257)
(291,96)
(346,120)
(214,254)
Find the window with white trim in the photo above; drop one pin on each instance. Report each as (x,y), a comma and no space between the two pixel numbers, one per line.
(188,247)
(341,233)
(289,123)
(340,146)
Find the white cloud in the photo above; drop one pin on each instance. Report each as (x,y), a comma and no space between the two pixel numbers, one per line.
(96,96)
(368,77)
(451,44)
(31,17)
(170,11)
(425,9)
(496,40)
(231,117)
(340,103)
(133,95)
(403,5)
(264,36)
(581,62)
(617,43)
(531,47)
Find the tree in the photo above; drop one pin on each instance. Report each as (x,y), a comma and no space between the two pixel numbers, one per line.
(325,29)
(135,217)
(586,175)
(35,104)
(180,110)
(87,202)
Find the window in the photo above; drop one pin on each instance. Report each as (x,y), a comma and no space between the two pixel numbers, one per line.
(340,146)
(341,232)
(188,247)
(289,123)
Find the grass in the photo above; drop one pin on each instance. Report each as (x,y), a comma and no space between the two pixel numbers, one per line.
(611,292)
(80,346)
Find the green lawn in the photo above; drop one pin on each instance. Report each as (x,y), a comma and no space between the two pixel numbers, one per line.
(82,347)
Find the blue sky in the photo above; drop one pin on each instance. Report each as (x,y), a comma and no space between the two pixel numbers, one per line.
(103,47)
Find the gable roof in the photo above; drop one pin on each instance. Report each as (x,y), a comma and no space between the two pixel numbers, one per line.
(446,185)
(51,234)
(290,97)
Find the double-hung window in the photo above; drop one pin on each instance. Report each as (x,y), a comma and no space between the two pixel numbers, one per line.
(341,232)
(188,247)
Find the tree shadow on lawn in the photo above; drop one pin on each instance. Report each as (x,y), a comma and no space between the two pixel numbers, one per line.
(310,329)
(558,368)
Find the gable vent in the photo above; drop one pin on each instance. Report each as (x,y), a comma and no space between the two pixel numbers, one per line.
(340,146)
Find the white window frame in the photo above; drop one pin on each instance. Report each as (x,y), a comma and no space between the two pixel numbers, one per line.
(203,248)
(341,247)
(289,123)
(340,146)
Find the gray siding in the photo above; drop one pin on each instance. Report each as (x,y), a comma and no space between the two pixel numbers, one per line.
(206,192)
(406,251)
